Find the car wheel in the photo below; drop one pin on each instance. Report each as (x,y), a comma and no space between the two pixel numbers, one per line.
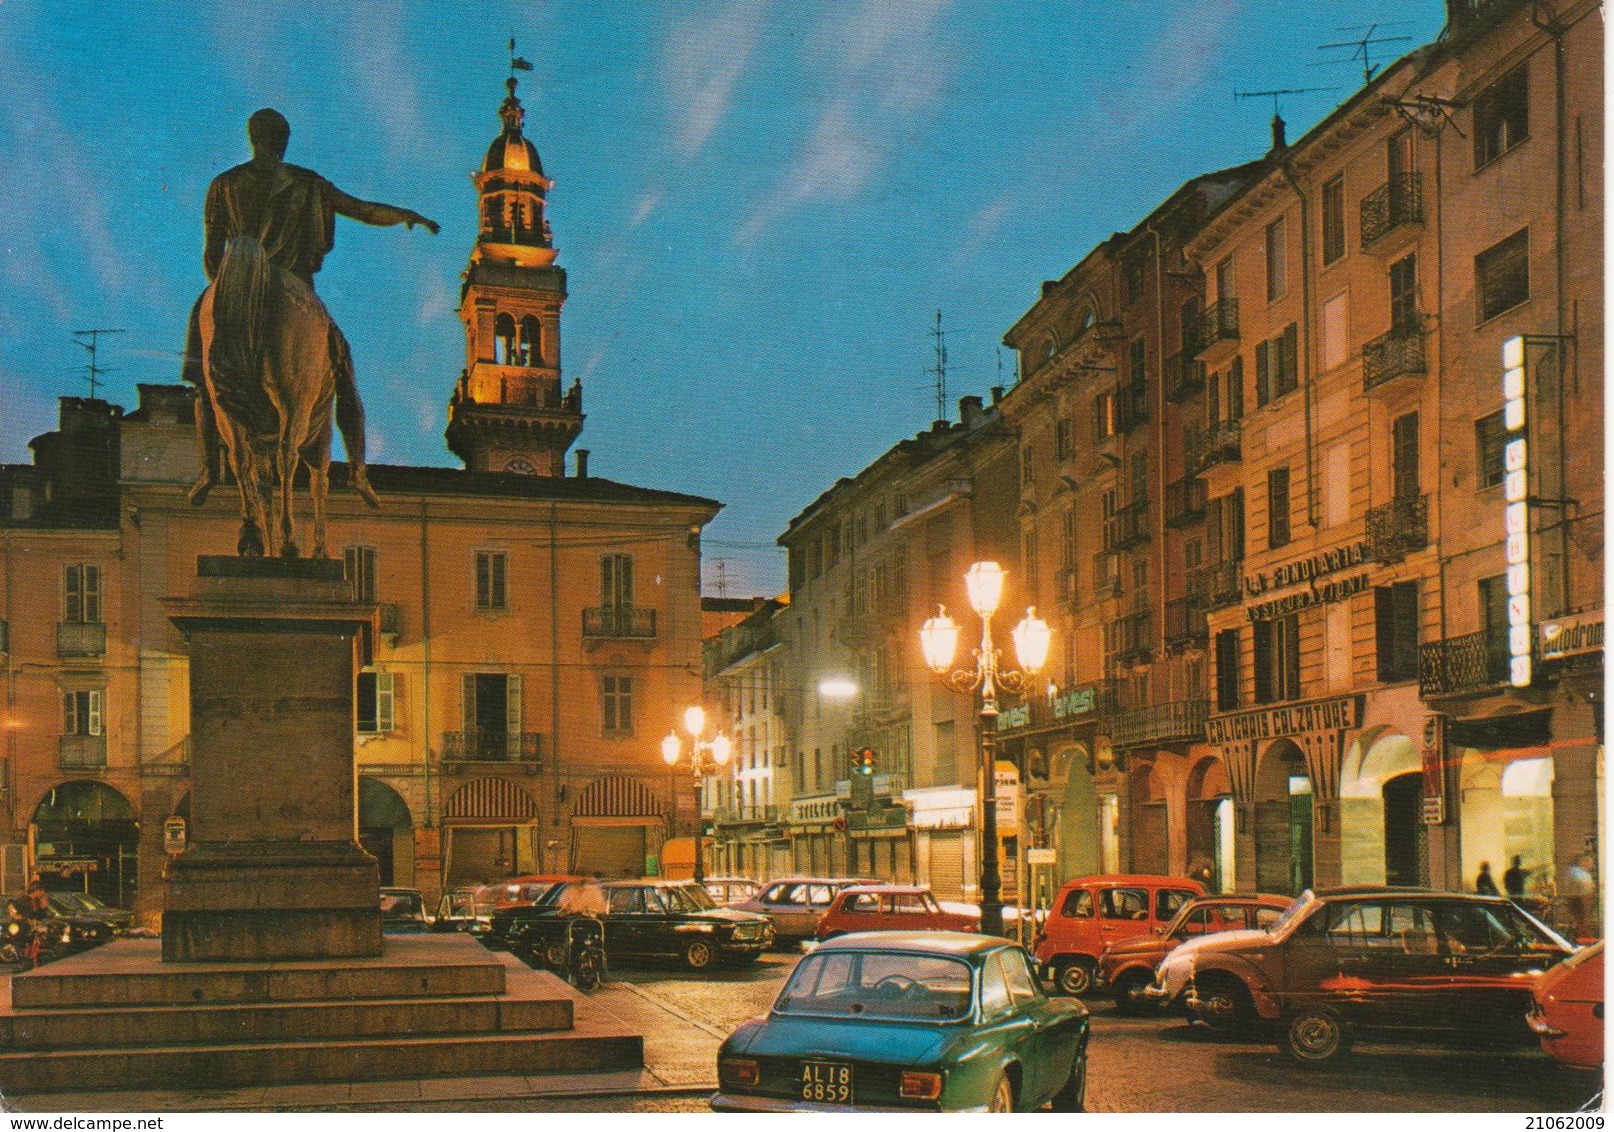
(1315,1037)
(1224,1006)
(1074,977)
(698,955)
(1072,1095)
(555,956)
(1002,1096)
(8,953)
(1129,996)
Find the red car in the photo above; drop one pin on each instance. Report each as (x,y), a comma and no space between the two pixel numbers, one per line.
(889,908)
(1126,969)
(1568,1010)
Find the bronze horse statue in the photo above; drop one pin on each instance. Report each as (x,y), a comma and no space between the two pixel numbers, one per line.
(270,355)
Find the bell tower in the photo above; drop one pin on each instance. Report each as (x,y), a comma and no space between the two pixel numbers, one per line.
(508,412)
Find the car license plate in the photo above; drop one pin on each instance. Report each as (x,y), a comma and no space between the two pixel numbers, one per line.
(828,1082)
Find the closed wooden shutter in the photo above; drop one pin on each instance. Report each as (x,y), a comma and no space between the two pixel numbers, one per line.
(947,864)
(611,852)
(1272,846)
(512,716)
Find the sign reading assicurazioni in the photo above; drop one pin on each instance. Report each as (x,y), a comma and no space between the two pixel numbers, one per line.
(1292,719)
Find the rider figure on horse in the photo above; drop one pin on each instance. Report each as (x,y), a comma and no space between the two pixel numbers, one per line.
(291,212)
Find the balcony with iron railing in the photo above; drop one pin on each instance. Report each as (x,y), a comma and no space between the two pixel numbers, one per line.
(1218,584)
(1398,528)
(480,745)
(1396,202)
(744,815)
(81,752)
(1185,620)
(1185,373)
(1185,501)
(619,622)
(1466,665)
(1218,324)
(1177,721)
(80,639)
(1220,443)
(1398,353)
(1128,527)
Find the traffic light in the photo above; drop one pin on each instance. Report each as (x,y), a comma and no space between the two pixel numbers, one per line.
(863,761)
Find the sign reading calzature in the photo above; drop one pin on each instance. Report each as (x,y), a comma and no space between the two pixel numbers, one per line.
(1516,517)
(1295,719)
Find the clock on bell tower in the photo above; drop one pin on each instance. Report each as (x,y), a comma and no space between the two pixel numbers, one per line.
(508,412)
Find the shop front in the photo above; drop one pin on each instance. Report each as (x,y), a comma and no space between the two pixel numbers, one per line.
(943,820)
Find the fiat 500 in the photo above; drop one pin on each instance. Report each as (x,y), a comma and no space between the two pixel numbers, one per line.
(909,1022)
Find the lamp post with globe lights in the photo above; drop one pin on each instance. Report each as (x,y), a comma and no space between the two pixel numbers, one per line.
(938,638)
(705,756)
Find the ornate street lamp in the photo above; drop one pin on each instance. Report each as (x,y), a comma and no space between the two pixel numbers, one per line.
(939,641)
(705,756)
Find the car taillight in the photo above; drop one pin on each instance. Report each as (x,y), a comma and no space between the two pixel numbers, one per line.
(920,1086)
(739,1070)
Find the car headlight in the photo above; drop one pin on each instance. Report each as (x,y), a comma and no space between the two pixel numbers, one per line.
(13,928)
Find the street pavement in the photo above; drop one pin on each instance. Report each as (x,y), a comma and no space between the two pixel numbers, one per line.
(1142,1064)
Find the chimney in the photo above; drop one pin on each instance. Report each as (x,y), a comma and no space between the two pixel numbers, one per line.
(1278,142)
(997,394)
(582,463)
(969,411)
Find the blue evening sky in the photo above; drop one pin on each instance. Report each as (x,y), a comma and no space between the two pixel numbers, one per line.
(760,205)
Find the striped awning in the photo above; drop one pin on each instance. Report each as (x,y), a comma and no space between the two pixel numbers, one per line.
(617,797)
(497,798)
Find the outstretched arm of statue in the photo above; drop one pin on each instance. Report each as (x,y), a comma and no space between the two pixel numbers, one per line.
(381,215)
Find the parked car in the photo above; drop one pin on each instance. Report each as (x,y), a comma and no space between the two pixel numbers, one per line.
(908,1022)
(1567,1014)
(1372,959)
(642,919)
(82,904)
(794,904)
(523,889)
(403,912)
(730,890)
(1126,969)
(1092,913)
(507,921)
(468,910)
(890,907)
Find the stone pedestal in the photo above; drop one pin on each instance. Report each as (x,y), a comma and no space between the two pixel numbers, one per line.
(273,869)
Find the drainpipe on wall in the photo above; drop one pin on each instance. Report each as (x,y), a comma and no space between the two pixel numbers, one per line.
(1313,507)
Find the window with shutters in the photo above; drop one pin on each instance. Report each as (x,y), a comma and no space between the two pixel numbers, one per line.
(1278,507)
(616,704)
(1226,281)
(1028,466)
(1336,342)
(1277,260)
(1064,439)
(1404,458)
(1404,295)
(491,711)
(1333,219)
(1396,623)
(1227,670)
(81,713)
(1501,116)
(1104,416)
(1277,659)
(616,581)
(1277,369)
(81,593)
(375,696)
(1490,438)
(1502,275)
(358,569)
(1028,562)
(490,580)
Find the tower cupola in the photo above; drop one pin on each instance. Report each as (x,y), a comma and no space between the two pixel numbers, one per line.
(513,192)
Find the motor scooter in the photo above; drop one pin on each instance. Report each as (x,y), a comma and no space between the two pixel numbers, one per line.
(33,942)
(585,951)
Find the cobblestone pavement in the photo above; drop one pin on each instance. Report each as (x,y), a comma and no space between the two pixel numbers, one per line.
(1151,1064)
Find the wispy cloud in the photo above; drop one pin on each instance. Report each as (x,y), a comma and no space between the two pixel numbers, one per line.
(385,77)
(882,70)
(705,59)
(1193,37)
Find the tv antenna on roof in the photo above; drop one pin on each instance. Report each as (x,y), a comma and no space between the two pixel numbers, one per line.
(940,371)
(1360,48)
(93,372)
(1274,94)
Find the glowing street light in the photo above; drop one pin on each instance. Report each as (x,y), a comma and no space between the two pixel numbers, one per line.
(705,757)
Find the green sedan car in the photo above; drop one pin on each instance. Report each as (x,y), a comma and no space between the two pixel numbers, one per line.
(909,1022)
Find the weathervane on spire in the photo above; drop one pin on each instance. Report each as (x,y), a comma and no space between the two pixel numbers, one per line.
(517,63)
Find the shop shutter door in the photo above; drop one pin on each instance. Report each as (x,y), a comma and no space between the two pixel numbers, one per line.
(947,865)
(1149,838)
(1272,846)
(613,852)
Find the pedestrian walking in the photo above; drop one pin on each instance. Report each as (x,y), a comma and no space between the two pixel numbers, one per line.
(1483,884)
(1514,879)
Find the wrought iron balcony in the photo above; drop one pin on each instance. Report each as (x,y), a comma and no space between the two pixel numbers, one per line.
(1218,583)
(1396,202)
(81,752)
(629,622)
(1185,501)
(1219,323)
(1398,528)
(1177,721)
(1185,374)
(480,745)
(1128,527)
(740,815)
(80,638)
(1398,353)
(1477,662)
(1220,443)
(1131,406)
(1185,620)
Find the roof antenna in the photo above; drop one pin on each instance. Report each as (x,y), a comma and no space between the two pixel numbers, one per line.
(93,372)
(721,582)
(1360,48)
(1277,119)
(940,371)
